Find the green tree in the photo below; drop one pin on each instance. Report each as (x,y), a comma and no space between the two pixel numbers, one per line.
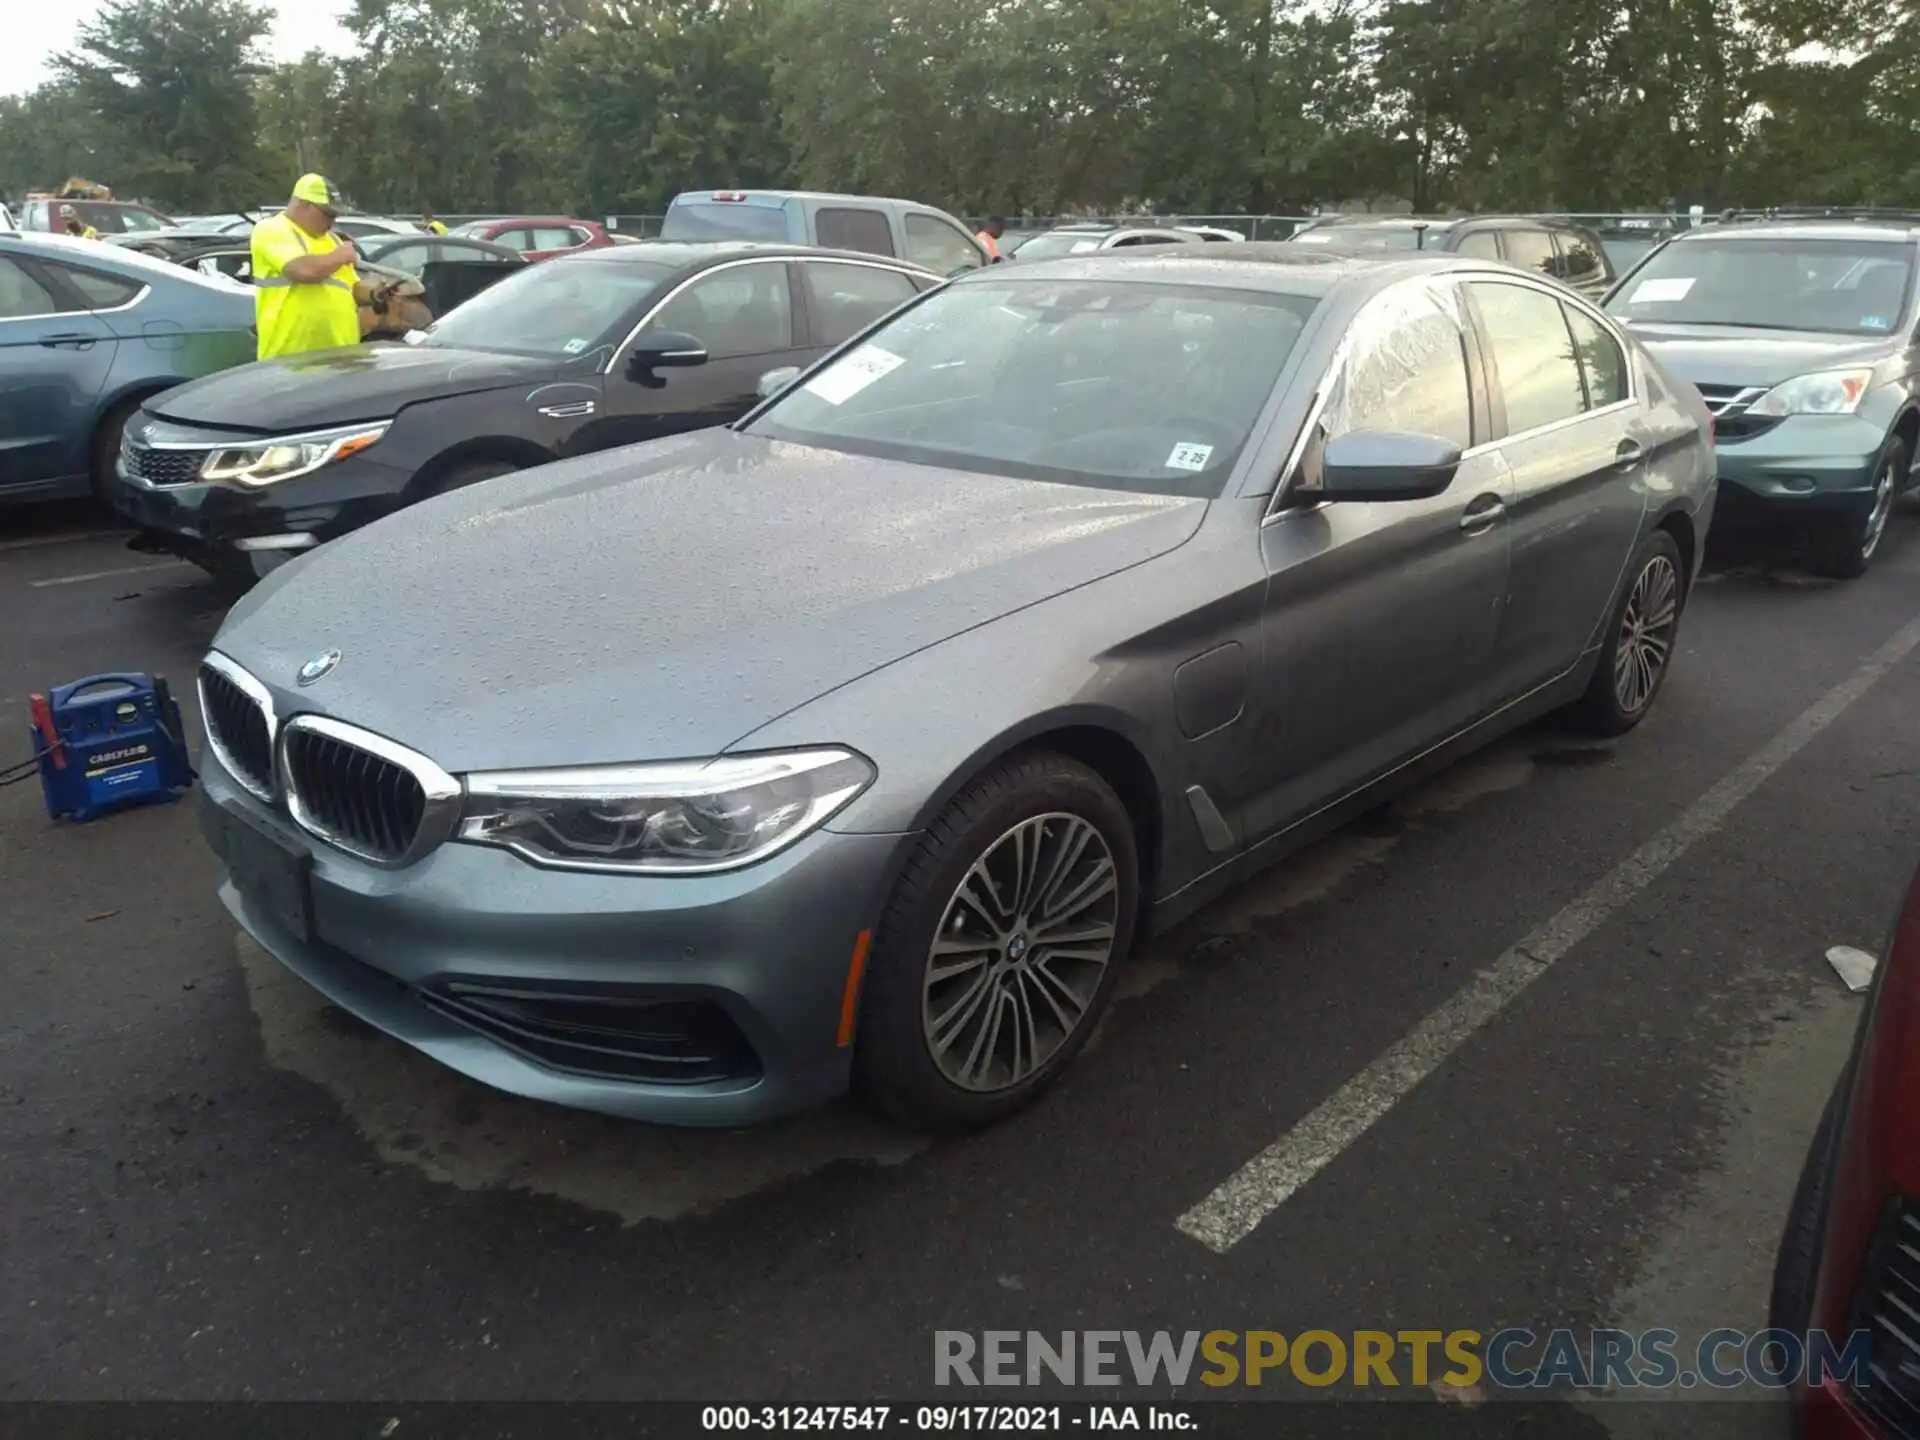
(171,83)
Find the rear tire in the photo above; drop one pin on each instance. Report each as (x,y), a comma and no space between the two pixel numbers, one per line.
(1000,946)
(1848,548)
(1641,634)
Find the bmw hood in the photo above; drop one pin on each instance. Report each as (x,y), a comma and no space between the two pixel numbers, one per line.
(1729,355)
(340,387)
(662,602)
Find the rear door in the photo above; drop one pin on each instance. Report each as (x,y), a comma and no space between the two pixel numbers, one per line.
(1531,248)
(1571,431)
(940,245)
(54,361)
(743,314)
(1583,263)
(853,227)
(842,298)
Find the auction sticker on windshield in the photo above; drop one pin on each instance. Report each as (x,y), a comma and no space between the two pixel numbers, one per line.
(1657,292)
(842,381)
(1188,456)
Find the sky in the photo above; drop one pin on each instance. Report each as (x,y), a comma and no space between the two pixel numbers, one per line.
(37,30)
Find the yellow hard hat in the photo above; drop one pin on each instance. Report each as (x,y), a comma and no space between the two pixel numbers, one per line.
(318,190)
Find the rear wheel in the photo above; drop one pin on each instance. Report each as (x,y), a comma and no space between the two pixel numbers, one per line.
(1639,646)
(1847,550)
(999,948)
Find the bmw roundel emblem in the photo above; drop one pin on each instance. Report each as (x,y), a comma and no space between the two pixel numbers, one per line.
(319,667)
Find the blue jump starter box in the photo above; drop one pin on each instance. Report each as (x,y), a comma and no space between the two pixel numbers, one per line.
(107,742)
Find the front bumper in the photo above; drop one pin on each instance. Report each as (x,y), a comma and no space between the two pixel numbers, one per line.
(1805,465)
(765,953)
(202,520)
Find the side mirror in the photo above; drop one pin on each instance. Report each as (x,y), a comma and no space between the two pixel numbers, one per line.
(774,381)
(663,350)
(1368,465)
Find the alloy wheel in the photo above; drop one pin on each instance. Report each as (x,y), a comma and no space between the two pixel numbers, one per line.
(1646,634)
(1020,952)
(1884,487)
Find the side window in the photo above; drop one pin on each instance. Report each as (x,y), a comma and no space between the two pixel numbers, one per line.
(843,228)
(938,246)
(35,216)
(409,258)
(577,237)
(844,299)
(1530,250)
(1602,362)
(1479,244)
(22,296)
(1532,354)
(1580,258)
(744,310)
(553,237)
(101,292)
(516,239)
(1406,369)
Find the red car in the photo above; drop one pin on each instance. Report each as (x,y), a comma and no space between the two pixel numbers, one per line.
(1849,1263)
(539,237)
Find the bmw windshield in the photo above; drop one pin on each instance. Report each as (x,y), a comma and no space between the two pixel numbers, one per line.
(558,310)
(1146,387)
(1832,287)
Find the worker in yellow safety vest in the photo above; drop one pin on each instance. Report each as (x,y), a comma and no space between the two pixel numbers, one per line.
(72,224)
(303,275)
(432,222)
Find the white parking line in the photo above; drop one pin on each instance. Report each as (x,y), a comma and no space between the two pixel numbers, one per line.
(1271,1178)
(106,574)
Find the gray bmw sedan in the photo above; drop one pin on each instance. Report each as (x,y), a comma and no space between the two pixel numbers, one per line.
(856,743)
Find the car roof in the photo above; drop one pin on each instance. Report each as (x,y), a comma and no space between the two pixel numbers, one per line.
(694,253)
(373,249)
(1274,266)
(532,220)
(753,193)
(1810,229)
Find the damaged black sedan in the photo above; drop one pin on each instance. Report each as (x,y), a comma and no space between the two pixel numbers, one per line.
(615,346)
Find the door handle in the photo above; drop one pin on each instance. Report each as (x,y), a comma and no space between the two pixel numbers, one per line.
(1628,454)
(78,342)
(1481,514)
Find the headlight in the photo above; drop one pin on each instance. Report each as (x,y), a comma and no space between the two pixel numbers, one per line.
(1826,392)
(683,817)
(275,460)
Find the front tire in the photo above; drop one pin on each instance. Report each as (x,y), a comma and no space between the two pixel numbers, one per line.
(465,473)
(106,451)
(1848,549)
(1640,638)
(1000,946)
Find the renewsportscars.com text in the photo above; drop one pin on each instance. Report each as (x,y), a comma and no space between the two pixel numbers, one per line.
(1512,1359)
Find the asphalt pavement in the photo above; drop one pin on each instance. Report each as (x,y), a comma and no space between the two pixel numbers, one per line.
(216,1187)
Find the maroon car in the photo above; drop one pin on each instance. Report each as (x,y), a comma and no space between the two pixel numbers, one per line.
(539,237)
(1849,1264)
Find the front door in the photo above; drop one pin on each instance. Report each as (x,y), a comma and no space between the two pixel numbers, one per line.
(1578,446)
(1380,619)
(743,314)
(54,360)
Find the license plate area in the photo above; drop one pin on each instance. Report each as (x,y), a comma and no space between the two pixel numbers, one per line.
(272,871)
